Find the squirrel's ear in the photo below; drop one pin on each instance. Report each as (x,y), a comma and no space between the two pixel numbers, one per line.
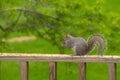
(69,36)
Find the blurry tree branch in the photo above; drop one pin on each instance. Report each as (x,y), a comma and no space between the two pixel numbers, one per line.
(46,26)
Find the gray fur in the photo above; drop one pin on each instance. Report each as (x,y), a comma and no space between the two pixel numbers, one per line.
(81,47)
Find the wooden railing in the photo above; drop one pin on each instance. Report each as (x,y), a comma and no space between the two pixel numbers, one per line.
(54,58)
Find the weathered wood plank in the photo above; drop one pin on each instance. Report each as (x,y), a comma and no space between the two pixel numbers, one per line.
(53,70)
(82,70)
(58,58)
(112,71)
(24,70)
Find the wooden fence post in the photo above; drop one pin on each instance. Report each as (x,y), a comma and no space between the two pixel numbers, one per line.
(24,70)
(53,70)
(112,71)
(82,70)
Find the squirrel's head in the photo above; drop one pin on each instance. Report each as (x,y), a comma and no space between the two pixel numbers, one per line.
(66,40)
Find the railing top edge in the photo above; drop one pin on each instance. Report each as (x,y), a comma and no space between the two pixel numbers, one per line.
(58,57)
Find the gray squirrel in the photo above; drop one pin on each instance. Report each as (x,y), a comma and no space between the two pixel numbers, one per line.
(81,47)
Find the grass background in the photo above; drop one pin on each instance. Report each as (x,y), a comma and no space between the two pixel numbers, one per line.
(10,70)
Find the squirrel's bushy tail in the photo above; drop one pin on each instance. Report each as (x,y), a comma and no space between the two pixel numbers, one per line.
(97,39)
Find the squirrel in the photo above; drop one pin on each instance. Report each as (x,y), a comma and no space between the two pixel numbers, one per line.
(81,47)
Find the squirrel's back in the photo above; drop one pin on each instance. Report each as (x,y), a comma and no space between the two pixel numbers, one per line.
(81,47)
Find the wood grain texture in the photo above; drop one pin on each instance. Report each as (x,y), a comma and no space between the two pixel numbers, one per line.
(58,58)
(24,70)
(82,70)
(53,70)
(112,71)
(54,58)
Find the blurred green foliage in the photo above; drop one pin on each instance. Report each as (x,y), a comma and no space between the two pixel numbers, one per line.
(51,20)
